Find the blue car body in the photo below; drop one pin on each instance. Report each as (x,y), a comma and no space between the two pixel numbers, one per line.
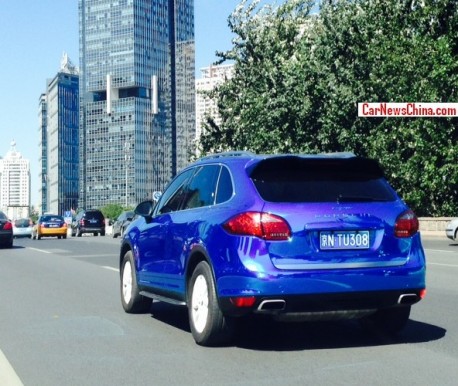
(298,236)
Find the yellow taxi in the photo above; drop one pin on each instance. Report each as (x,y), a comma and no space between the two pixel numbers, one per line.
(50,225)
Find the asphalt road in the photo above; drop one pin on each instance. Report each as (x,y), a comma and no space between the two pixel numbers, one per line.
(61,323)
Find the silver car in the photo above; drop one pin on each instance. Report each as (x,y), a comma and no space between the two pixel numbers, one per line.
(452,230)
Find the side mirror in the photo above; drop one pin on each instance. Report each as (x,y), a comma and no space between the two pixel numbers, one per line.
(145,209)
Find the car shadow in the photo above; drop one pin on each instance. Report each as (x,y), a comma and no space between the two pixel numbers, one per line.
(268,335)
(13,247)
(264,334)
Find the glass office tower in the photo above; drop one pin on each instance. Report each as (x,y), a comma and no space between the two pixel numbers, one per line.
(137,97)
(59,147)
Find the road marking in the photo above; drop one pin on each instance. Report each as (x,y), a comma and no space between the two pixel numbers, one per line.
(8,376)
(110,268)
(39,250)
(444,265)
(440,250)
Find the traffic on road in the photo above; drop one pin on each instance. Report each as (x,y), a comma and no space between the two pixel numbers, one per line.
(62,323)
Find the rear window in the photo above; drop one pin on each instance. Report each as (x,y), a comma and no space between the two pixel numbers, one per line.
(94,214)
(295,179)
(22,223)
(52,219)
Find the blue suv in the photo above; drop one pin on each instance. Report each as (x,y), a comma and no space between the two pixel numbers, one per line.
(296,237)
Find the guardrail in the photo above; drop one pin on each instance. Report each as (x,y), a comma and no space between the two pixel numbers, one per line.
(434,223)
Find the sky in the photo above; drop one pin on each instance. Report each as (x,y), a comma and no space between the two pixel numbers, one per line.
(34,34)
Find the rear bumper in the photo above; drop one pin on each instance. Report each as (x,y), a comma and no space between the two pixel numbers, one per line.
(52,232)
(324,306)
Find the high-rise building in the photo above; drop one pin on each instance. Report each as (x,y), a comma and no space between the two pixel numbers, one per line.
(59,140)
(211,77)
(15,184)
(43,159)
(136,96)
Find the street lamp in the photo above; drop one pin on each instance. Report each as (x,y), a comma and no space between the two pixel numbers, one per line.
(126,158)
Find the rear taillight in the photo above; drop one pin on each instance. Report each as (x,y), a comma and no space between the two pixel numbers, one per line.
(406,224)
(8,226)
(265,225)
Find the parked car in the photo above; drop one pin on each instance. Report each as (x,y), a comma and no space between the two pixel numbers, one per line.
(6,231)
(122,222)
(23,227)
(49,225)
(89,221)
(294,237)
(452,230)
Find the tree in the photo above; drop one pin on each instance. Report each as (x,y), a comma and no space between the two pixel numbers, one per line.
(112,211)
(298,79)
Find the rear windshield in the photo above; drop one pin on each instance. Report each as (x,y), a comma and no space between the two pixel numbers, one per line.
(295,179)
(23,222)
(94,214)
(52,219)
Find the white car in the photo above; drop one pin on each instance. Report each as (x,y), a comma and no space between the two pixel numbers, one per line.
(22,227)
(452,230)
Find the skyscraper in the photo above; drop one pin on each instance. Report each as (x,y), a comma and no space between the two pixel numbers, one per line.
(15,184)
(211,77)
(59,155)
(136,96)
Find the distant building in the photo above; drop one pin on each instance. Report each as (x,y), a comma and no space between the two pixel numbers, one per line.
(59,141)
(15,184)
(137,122)
(43,159)
(205,106)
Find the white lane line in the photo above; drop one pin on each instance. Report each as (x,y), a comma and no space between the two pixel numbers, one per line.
(444,265)
(110,268)
(39,250)
(8,376)
(440,250)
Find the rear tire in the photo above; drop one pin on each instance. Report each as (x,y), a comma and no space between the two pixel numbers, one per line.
(131,300)
(209,326)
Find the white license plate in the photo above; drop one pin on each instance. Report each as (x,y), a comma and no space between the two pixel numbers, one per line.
(344,240)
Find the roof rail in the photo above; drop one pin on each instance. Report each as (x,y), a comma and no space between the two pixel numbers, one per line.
(227,154)
(342,154)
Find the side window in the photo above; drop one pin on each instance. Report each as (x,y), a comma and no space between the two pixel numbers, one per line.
(173,196)
(202,188)
(225,188)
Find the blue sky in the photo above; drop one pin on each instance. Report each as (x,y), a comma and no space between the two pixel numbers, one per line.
(33,36)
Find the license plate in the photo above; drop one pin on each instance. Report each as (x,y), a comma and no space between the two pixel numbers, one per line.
(344,240)
(53,225)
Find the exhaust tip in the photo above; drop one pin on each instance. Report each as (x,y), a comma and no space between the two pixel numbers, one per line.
(408,299)
(272,305)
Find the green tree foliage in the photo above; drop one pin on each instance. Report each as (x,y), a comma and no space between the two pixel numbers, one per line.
(112,211)
(299,77)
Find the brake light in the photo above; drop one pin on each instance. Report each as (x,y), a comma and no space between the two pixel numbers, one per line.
(264,225)
(8,226)
(406,224)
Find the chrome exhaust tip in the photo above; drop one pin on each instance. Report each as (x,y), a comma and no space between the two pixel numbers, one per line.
(272,305)
(407,299)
